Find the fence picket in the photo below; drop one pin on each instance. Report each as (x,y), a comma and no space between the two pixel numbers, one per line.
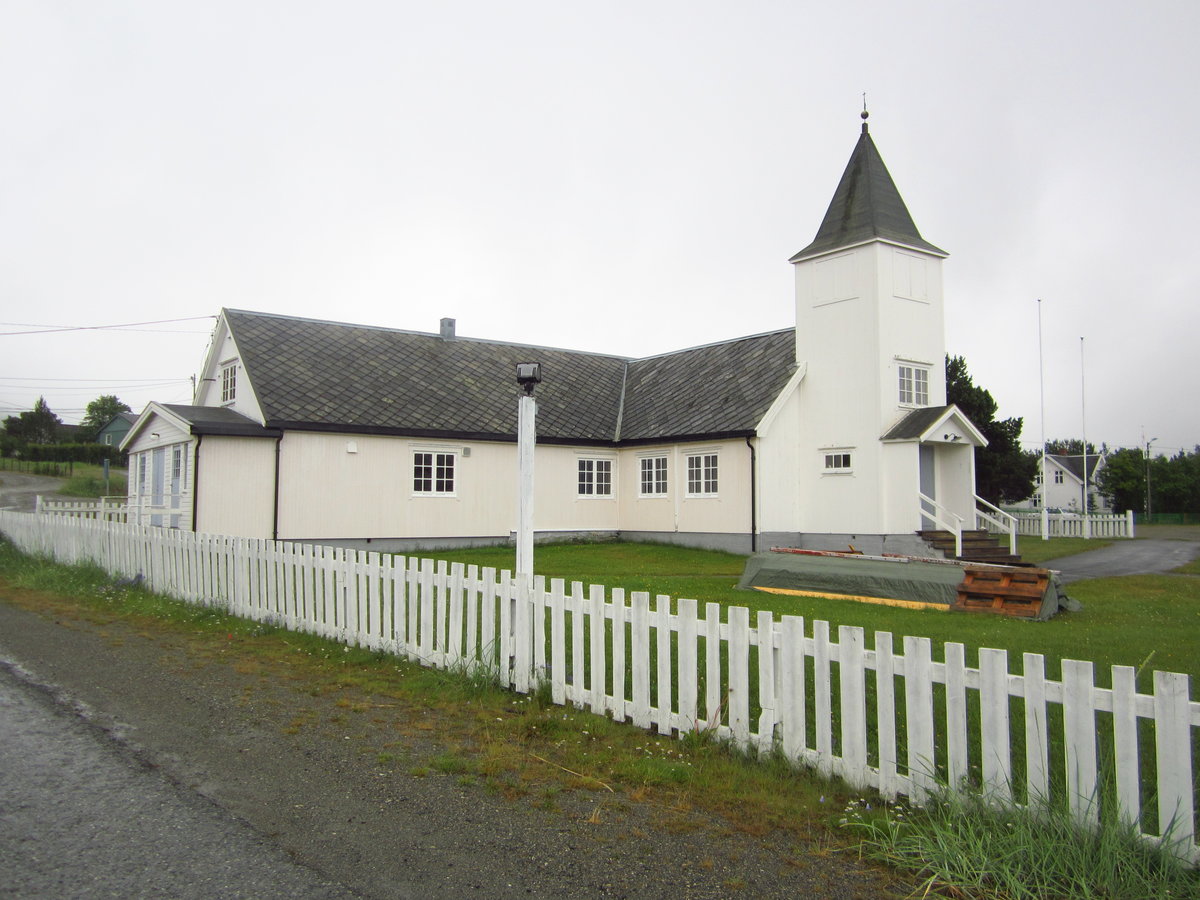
(885,714)
(662,630)
(576,691)
(686,661)
(853,704)
(558,635)
(918,707)
(1079,721)
(994,723)
(764,634)
(597,681)
(1173,752)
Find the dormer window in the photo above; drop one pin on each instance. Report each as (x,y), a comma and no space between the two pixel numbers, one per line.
(229,382)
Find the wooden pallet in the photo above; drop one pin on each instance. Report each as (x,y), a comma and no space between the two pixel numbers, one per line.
(1009,592)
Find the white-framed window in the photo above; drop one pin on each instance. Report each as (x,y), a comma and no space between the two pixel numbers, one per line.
(1058,476)
(652,476)
(433,472)
(141,474)
(1037,478)
(914,385)
(839,461)
(229,382)
(108,439)
(595,477)
(702,475)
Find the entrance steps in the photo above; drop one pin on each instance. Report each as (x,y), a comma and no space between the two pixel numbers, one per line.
(978,546)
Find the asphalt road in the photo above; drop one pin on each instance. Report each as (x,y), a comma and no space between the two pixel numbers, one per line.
(1139,557)
(79,817)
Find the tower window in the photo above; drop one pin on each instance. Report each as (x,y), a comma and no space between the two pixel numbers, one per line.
(914,386)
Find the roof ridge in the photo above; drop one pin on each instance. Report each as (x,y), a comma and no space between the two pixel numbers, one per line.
(462,339)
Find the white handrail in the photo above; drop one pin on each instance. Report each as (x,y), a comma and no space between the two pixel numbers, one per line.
(1003,521)
(937,508)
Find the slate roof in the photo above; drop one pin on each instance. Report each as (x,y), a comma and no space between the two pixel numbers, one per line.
(866,206)
(915,424)
(1074,464)
(219,420)
(316,375)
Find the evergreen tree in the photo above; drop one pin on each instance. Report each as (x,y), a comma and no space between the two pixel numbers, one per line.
(1003,473)
(36,426)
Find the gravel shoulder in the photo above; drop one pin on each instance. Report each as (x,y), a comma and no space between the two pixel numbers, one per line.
(215,726)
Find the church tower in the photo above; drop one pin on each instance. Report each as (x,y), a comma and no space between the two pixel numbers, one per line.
(870,336)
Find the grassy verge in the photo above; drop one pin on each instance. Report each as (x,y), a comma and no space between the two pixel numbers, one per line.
(1037,551)
(963,846)
(88,481)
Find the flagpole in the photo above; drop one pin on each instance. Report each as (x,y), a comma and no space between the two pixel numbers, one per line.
(1087,513)
(1042,391)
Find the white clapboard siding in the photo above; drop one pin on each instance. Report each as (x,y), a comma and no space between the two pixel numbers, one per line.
(901,723)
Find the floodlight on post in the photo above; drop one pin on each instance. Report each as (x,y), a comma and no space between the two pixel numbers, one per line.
(529,376)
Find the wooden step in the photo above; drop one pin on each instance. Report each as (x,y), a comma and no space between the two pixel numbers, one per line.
(977,546)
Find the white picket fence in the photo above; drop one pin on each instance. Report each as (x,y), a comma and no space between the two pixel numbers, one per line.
(897,722)
(1094,525)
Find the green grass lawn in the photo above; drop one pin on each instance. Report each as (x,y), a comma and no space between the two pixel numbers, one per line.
(1145,620)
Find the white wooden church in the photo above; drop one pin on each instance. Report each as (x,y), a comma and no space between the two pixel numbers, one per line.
(830,433)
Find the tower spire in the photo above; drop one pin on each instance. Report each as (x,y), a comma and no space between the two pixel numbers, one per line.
(866,206)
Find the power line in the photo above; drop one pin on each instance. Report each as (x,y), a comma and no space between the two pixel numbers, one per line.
(53,329)
(100,381)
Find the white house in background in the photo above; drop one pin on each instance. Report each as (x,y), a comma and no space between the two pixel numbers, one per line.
(833,432)
(1064,484)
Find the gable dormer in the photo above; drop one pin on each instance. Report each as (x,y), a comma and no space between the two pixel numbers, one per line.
(224,381)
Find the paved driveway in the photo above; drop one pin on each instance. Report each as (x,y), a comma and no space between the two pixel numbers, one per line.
(1139,557)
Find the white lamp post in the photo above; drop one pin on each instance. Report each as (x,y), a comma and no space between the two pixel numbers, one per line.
(529,376)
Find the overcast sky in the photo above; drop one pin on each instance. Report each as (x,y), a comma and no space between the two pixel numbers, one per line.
(627,178)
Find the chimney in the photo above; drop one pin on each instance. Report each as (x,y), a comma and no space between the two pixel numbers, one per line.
(447,329)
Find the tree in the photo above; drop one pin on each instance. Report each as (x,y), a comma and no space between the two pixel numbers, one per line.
(1003,473)
(1071,447)
(1123,479)
(99,413)
(36,426)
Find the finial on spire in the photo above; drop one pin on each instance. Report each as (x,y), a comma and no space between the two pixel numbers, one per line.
(864,113)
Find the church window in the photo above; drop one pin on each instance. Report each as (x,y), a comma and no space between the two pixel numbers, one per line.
(433,473)
(595,478)
(702,475)
(653,476)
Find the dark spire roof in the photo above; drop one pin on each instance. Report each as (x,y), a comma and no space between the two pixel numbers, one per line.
(866,206)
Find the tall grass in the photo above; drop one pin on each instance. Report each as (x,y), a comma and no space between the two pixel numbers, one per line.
(962,845)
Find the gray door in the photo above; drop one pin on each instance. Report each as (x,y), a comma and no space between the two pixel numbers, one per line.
(928,482)
(158,477)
